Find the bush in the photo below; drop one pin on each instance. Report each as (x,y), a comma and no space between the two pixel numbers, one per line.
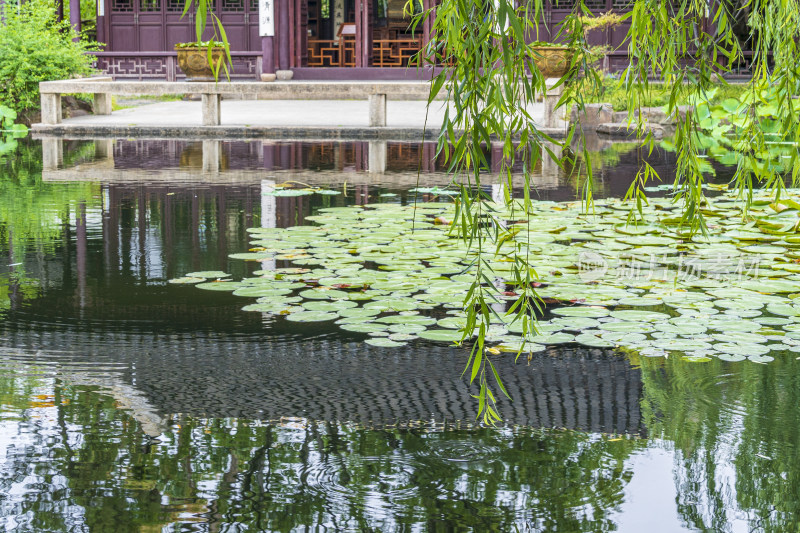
(35,47)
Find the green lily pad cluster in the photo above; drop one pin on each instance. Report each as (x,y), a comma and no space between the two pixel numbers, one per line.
(720,128)
(398,273)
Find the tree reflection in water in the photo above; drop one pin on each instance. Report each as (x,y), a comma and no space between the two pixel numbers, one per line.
(77,459)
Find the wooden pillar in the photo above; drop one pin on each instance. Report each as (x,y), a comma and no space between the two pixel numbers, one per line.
(75,15)
(266,29)
(267,55)
(299,34)
(283,33)
(427,22)
(359,38)
(101,21)
(366,34)
(290,4)
(59,10)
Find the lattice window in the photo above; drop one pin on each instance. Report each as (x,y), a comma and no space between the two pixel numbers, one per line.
(149,5)
(253,6)
(233,6)
(122,6)
(596,6)
(175,6)
(622,5)
(565,5)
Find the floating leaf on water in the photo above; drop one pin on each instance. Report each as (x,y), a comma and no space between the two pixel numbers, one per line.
(219,285)
(640,302)
(515,346)
(592,340)
(323,294)
(587,312)
(555,338)
(444,335)
(252,256)
(627,327)
(385,343)
(740,336)
(334,306)
(740,348)
(358,312)
(639,316)
(186,280)
(260,292)
(452,322)
(407,328)
(403,319)
(208,274)
(689,327)
(732,358)
(312,316)
(403,337)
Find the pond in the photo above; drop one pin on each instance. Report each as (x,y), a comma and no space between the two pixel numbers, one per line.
(132,403)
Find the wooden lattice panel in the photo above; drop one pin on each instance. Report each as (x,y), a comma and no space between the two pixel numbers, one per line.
(331,53)
(394,52)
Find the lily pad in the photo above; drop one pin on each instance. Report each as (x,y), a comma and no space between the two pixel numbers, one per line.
(385,343)
(445,335)
(186,280)
(312,316)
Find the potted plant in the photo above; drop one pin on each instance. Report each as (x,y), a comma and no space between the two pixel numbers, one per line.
(202,60)
(552,59)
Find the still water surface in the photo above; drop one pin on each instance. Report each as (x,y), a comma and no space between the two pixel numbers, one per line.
(128,404)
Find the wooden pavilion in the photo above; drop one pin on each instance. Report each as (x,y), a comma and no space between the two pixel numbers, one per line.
(316,39)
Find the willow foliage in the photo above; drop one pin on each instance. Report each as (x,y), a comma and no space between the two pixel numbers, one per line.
(491,80)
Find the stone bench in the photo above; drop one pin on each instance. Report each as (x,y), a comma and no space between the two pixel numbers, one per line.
(375,92)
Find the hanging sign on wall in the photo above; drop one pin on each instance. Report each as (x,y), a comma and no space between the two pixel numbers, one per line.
(266,18)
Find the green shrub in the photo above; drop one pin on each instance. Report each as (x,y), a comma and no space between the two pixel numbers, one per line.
(35,47)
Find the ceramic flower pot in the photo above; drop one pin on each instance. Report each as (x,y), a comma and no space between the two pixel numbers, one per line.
(193,61)
(553,61)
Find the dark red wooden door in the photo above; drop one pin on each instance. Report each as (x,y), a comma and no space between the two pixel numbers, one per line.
(157,25)
(151,25)
(122,35)
(177,29)
(234,15)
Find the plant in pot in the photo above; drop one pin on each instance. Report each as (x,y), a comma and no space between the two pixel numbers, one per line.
(554,59)
(203,60)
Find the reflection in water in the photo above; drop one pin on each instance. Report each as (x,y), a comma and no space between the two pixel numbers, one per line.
(277,475)
(736,430)
(128,403)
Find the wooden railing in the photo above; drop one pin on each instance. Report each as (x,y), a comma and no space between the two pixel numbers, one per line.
(394,52)
(341,53)
(331,53)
